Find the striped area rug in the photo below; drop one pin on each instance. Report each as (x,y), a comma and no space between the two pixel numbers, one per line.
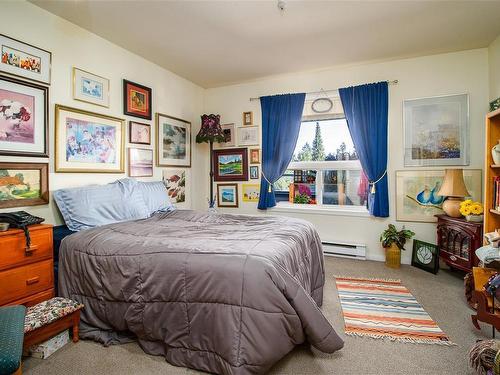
(381,308)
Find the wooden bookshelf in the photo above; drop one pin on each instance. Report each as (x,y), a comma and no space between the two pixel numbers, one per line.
(491,215)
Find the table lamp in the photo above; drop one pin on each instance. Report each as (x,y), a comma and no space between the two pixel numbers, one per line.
(454,188)
(210,132)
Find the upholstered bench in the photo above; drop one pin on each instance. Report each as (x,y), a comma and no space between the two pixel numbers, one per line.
(50,317)
(11,339)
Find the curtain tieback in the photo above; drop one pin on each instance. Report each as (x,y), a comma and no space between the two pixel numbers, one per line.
(373,183)
(270,189)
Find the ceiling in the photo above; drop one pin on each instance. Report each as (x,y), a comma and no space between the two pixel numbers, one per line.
(215,43)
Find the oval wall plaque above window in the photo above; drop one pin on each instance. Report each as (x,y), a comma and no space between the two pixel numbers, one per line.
(322,105)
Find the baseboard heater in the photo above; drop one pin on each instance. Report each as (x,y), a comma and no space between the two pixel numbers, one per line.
(344,250)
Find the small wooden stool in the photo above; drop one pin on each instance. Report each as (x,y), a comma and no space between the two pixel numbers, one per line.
(50,317)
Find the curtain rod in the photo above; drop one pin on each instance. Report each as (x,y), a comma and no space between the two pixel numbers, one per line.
(394,82)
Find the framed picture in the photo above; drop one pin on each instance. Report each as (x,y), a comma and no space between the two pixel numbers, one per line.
(425,256)
(24,108)
(247,118)
(137,100)
(24,184)
(90,88)
(437,131)
(248,136)
(173,141)
(140,162)
(416,193)
(251,192)
(227,195)
(229,134)
(24,60)
(175,180)
(254,156)
(139,133)
(88,142)
(254,172)
(231,164)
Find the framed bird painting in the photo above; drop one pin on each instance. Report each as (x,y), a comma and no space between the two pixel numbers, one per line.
(417,197)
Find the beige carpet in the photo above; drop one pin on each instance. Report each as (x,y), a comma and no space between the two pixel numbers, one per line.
(441,295)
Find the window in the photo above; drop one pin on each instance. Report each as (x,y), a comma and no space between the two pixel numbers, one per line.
(325,170)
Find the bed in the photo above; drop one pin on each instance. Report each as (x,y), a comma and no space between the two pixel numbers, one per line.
(226,294)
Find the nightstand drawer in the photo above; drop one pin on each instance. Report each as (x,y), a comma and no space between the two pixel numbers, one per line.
(22,281)
(13,250)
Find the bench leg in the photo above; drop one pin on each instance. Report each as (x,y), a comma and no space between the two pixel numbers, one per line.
(76,323)
(19,371)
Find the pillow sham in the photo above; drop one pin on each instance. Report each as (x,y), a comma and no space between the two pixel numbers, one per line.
(95,205)
(155,196)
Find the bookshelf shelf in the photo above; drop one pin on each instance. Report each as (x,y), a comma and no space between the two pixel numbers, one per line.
(491,172)
(495,166)
(496,212)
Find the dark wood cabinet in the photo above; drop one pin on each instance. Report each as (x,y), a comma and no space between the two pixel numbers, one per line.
(458,240)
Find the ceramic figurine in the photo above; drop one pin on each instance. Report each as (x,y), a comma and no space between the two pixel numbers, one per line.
(495,153)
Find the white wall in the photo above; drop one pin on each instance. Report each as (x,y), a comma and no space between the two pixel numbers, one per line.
(462,72)
(494,63)
(73,46)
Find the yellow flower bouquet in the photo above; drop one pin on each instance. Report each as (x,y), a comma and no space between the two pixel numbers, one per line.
(473,211)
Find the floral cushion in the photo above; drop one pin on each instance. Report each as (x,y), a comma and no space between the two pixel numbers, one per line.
(49,311)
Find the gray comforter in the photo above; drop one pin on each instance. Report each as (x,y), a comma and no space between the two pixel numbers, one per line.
(227,294)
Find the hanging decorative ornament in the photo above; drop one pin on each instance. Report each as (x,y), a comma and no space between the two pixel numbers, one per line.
(322,104)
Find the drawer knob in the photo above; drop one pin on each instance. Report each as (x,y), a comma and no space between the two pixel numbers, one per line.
(33,280)
(453,257)
(29,250)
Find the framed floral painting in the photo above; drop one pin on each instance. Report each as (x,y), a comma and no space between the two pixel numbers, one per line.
(24,184)
(24,60)
(88,142)
(140,162)
(137,100)
(251,192)
(139,133)
(227,195)
(176,183)
(23,118)
(230,164)
(90,88)
(173,141)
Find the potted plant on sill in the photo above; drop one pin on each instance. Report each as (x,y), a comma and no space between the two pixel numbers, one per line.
(393,242)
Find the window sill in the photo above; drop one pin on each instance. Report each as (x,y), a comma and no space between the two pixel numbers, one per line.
(320,210)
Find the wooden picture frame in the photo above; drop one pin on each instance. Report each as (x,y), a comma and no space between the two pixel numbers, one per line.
(177,131)
(71,157)
(140,162)
(9,176)
(231,164)
(425,256)
(137,100)
(34,113)
(90,88)
(254,155)
(247,118)
(224,191)
(137,132)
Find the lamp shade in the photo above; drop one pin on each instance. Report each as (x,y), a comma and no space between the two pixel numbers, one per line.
(453,184)
(210,130)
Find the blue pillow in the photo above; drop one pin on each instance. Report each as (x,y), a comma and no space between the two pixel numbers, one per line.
(155,196)
(95,205)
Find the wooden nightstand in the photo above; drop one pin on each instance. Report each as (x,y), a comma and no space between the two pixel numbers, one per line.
(26,275)
(458,241)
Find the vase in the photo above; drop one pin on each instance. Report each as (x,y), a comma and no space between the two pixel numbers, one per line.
(393,256)
(474,218)
(495,153)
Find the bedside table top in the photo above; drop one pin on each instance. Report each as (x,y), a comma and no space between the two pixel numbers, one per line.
(31,228)
(460,220)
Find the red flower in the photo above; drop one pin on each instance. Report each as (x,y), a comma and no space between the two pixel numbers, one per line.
(24,115)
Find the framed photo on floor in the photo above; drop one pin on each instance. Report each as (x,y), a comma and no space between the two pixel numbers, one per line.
(140,162)
(230,164)
(24,60)
(24,184)
(137,100)
(436,131)
(425,256)
(139,133)
(227,195)
(88,142)
(176,181)
(24,108)
(90,88)
(173,141)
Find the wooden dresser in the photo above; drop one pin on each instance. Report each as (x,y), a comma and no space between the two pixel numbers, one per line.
(26,275)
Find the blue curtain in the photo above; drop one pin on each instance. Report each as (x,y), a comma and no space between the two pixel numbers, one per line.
(365,109)
(281,117)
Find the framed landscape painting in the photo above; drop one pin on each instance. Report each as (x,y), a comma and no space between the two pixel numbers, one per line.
(23,118)
(24,184)
(88,142)
(140,162)
(437,131)
(416,193)
(90,88)
(175,181)
(227,195)
(137,100)
(139,133)
(231,164)
(173,141)
(251,192)
(24,60)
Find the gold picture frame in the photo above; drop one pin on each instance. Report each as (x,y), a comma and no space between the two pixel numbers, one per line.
(248,118)
(82,158)
(183,130)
